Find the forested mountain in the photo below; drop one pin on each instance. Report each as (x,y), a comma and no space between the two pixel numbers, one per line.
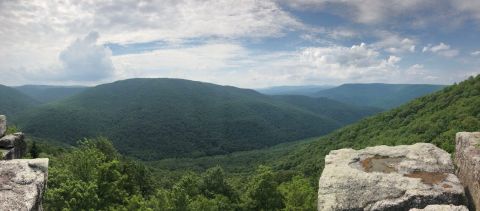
(159,118)
(46,94)
(13,102)
(434,118)
(293,90)
(378,95)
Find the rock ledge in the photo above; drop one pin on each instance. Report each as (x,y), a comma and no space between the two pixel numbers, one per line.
(388,178)
(22,183)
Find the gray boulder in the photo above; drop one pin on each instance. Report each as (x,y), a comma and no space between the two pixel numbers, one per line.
(467,159)
(3,125)
(13,146)
(388,178)
(22,183)
(442,208)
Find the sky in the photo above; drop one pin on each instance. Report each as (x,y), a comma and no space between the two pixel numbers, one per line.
(244,43)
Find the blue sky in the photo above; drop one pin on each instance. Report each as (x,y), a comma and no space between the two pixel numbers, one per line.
(246,43)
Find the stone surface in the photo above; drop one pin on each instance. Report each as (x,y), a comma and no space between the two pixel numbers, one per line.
(13,146)
(388,178)
(442,208)
(3,125)
(22,183)
(467,159)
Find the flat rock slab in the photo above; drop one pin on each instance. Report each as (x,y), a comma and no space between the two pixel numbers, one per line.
(388,178)
(442,208)
(22,183)
(467,159)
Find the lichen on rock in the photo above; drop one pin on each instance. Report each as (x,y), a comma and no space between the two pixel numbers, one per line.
(467,159)
(22,183)
(442,208)
(388,178)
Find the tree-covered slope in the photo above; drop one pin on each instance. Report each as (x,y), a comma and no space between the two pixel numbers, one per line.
(383,96)
(293,90)
(46,94)
(159,118)
(12,102)
(341,112)
(434,118)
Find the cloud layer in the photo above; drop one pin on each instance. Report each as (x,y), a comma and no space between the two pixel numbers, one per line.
(84,60)
(247,43)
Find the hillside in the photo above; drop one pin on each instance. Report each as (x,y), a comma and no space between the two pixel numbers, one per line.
(434,118)
(46,94)
(13,102)
(293,90)
(159,118)
(385,96)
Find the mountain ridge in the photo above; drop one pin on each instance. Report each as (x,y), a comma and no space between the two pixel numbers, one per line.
(159,118)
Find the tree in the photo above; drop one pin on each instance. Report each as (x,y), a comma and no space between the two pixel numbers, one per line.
(214,182)
(298,194)
(34,151)
(262,193)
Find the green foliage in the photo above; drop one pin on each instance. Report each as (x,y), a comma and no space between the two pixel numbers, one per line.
(47,94)
(85,179)
(298,194)
(11,129)
(214,183)
(153,119)
(34,150)
(262,192)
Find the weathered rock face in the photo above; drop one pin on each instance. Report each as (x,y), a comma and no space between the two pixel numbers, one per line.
(22,183)
(388,178)
(467,159)
(442,208)
(13,146)
(3,125)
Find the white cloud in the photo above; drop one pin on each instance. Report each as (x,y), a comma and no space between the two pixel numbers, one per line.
(441,49)
(413,13)
(33,33)
(358,61)
(199,62)
(366,11)
(394,44)
(475,53)
(232,64)
(85,60)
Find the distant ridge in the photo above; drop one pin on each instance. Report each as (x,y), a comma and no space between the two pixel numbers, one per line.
(378,95)
(13,102)
(46,93)
(159,118)
(293,90)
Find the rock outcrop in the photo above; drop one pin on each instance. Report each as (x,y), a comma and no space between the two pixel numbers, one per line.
(22,183)
(12,146)
(3,125)
(388,178)
(442,208)
(467,159)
